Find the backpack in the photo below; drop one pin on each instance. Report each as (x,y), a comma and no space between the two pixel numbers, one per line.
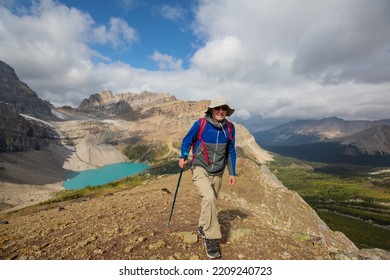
(202,126)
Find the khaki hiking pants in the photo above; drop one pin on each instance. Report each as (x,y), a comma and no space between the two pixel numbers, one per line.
(208,187)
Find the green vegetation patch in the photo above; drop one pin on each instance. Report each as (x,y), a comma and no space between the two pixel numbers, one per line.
(366,215)
(324,182)
(148,153)
(363,234)
(345,196)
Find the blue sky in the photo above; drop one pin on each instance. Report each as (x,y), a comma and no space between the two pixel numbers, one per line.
(158,26)
(273,60)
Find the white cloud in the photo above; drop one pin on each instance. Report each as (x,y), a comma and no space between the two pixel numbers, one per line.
(128,4)
(119,34)
(47,42)
(49,49)
(299,59)
(220,57)
(166,62)
(171,12)
(330,42)
(271,59)
(243,114)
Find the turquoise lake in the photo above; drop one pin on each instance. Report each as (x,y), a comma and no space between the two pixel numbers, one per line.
(94,177)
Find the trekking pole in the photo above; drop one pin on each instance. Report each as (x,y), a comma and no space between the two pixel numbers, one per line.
(174,197)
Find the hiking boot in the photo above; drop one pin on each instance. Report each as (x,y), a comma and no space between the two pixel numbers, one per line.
(212,249)
(201,232)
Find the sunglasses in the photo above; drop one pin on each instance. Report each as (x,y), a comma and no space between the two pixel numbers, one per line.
(224,108)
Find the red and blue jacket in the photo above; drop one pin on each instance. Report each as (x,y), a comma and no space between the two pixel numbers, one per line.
(220,149)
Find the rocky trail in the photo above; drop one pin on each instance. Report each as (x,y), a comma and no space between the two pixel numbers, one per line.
(257,223)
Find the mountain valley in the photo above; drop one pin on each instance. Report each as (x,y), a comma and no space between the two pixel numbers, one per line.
(40,143)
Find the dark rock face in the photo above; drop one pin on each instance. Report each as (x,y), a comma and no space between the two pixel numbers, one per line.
(17,93)
(18,133)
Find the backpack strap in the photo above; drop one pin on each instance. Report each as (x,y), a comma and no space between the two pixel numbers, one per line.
(230,138)
(230,128)
(202,127)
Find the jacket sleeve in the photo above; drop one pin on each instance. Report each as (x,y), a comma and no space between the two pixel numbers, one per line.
(232,157)
(190,138)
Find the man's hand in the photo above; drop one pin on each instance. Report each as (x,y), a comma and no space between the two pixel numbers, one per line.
(183,162)
(232,180)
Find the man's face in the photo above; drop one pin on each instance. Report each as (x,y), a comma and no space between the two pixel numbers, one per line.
(219,113)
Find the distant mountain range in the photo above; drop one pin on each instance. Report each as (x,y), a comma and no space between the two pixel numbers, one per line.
(331,140)
(118,122)
(24,124)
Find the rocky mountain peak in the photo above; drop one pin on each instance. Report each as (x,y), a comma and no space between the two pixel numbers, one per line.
(20,95)
(97,100)
(9,81)
(22,112)
(123,106)
(135,101)
(373,140)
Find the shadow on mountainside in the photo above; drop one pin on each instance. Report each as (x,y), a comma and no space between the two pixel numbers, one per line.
(226,218)
(35,167)
(259,220)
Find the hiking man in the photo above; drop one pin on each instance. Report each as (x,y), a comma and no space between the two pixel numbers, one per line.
(212,140)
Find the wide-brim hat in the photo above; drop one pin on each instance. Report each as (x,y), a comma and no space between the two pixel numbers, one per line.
(217,102)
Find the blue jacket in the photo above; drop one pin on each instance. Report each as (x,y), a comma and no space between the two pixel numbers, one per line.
(219,150)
